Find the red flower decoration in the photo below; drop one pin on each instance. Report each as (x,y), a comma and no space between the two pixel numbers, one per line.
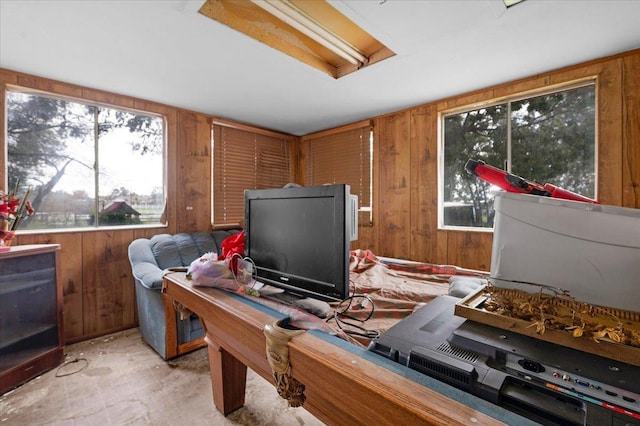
(12,211)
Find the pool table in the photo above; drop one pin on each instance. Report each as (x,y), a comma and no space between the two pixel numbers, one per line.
(344,384)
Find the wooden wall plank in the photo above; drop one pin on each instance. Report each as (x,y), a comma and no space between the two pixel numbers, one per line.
(106,98)
(470,249)
(72,284)
(194,172)
(395,179)
(427,243)
(47,85)
(109,296)
(148,232)
(631,131)
(609,133)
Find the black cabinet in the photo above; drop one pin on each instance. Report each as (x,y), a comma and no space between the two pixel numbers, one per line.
(31,335)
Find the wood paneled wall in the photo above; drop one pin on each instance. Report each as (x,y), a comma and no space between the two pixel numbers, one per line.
(406,156)
(98,287)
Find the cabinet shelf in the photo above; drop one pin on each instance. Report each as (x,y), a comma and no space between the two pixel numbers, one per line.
(26,331)
(22,282)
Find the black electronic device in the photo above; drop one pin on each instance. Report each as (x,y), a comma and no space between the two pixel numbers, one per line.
(299,238)
(547,383)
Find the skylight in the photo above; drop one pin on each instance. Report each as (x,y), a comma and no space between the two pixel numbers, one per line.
(510,3)
(313,32)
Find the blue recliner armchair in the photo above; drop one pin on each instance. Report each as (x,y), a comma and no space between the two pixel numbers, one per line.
(160,325)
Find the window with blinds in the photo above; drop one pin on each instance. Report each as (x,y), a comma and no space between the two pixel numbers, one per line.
(344,156)
(245,160)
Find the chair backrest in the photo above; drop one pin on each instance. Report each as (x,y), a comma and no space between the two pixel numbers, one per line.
(182,249)
(149,257)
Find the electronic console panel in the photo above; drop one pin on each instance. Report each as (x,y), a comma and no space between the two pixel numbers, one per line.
(545,382)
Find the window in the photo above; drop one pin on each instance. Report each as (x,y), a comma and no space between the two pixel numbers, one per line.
(244,159)
(88,165)
(549,138)
(344,156)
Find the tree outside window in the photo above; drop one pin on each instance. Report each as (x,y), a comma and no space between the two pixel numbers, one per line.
(548,138)
(88,165)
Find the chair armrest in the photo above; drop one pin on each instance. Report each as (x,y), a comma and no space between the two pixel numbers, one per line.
(144,267)
(149,275)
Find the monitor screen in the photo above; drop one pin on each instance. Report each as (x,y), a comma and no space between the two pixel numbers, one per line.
(299,238)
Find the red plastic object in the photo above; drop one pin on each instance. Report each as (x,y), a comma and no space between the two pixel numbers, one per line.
(513,183)
(231,246)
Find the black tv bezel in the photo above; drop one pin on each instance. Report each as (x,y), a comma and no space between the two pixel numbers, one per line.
(299,285)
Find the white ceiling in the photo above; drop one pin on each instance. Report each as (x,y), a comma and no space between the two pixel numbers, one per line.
(163,50)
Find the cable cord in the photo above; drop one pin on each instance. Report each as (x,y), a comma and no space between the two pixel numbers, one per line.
(355,326)
(236,273)
(249,283)
(72,361)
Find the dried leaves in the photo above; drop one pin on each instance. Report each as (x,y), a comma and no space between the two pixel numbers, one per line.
(560,312)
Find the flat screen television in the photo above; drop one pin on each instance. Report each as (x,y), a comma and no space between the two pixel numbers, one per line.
(298,238)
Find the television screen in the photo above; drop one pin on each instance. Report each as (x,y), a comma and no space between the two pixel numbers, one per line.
(298,239)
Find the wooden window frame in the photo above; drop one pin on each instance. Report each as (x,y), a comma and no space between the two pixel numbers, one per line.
(98,104)
(506,100)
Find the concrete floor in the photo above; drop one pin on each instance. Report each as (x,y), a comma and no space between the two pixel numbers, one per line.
(119,380)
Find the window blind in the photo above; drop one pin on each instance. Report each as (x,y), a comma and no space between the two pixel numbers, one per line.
(343,157)
(245,160)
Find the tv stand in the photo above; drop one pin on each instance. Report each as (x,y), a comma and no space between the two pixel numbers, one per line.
(315,307)
(31,325)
